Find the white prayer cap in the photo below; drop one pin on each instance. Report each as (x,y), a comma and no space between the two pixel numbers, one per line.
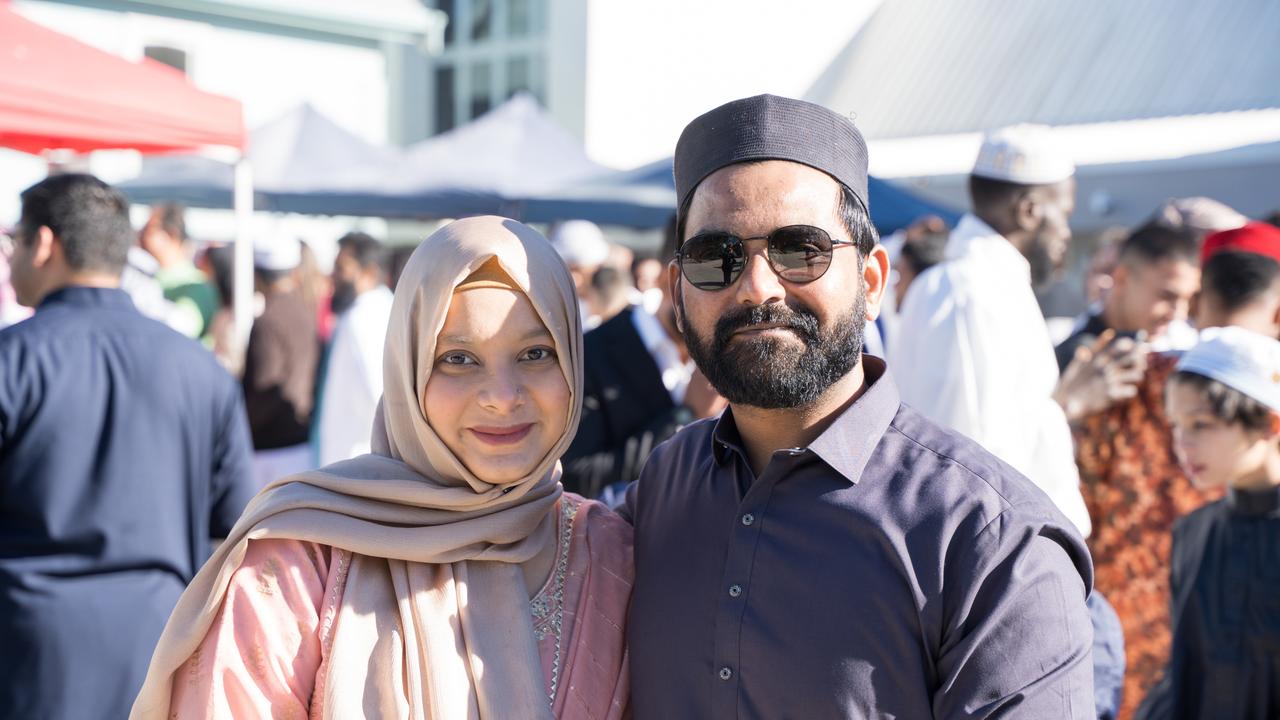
(1024,154)
(276,255)
(580,243)
(1240,359)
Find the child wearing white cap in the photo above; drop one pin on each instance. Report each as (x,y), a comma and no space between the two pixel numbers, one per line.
(1224,405)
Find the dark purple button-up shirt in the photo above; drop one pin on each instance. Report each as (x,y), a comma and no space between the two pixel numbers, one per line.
(890,569)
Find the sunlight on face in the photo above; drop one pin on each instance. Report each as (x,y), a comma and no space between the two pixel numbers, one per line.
(1212,452)
(496,395)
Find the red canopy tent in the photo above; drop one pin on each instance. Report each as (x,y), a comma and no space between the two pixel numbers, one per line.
(58,93)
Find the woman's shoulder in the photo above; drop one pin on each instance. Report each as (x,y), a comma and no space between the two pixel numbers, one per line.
(604,531)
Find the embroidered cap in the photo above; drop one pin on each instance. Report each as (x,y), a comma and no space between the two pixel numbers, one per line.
(1254,237)
(1024,154)
(1240,359)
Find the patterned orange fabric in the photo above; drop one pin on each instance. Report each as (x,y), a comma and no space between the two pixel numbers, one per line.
(1135,490)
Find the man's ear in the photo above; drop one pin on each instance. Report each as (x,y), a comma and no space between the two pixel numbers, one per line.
(676,293)
(1028,212)
(46,244)
(1193,307)
(875,278)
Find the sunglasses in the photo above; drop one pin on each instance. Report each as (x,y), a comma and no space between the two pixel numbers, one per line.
(797,253)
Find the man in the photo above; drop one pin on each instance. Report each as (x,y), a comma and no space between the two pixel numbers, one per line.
(640,387)
(280,365)
(123,450)
(1132,483)
(1156,275)
(353,374)
(971,350)
(820,550)
(583,248)
(195,300)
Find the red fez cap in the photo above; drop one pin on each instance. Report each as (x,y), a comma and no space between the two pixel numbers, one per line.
(1254,237)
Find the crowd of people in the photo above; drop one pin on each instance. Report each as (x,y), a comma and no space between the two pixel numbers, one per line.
(780,467)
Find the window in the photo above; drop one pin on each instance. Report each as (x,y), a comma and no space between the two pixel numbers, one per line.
(444,98)
(518,77)
(447,7)
(519,18)
(481,89)
(173,57)
(481,19)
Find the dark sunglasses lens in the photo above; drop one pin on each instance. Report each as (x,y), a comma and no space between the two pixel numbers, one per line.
(800,253)
(712,261)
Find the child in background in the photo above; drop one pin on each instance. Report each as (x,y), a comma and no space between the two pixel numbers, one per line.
(1224,405)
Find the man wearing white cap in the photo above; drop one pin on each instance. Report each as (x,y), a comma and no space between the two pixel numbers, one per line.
(583,248)
(280,364)
(972,351)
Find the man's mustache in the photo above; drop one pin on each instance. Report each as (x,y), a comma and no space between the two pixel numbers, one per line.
(803,322)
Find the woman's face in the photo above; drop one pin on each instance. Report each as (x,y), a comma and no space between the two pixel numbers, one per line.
(496,395)
(1213,452)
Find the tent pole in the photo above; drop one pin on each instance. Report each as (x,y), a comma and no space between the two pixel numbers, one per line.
(243,275)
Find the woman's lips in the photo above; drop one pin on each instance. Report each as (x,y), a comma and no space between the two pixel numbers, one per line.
(509,435)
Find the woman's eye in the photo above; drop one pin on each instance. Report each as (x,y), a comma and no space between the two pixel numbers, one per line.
(538,353)
(456,358)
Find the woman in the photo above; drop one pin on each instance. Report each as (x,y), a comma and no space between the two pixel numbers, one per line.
(445,575)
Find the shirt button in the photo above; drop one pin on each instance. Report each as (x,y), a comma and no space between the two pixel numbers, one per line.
(725,673)
(735,590)
(748,519)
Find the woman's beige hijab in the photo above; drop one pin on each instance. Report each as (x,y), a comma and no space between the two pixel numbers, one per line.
(435,619)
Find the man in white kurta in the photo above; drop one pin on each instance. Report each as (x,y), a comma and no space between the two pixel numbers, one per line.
(353,375)
(972,350)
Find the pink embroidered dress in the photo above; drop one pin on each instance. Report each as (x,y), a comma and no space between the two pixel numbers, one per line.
(266,651)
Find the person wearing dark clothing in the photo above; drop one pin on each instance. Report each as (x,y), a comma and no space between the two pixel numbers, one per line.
(822,550)
(123,451)
(280,366)
(1224,405)
(640,387)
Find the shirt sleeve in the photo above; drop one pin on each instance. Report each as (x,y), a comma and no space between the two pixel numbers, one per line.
(232,483)
(261,655)
(1017,637)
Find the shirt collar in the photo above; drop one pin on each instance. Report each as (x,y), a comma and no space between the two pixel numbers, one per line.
(1254,502)
(847,444)
(80,296)
(974,239)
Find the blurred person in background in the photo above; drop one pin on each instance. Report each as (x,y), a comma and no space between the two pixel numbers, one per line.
(317,291)
(219,265)
(1098,275)
(972,349)
(611,293)
(1131,480)
(11,311)
(352,380)
(648,274)
(919,252)
(640,388)
(194,299)
(123,451)
(280,364)
(583,248)
(1157,274)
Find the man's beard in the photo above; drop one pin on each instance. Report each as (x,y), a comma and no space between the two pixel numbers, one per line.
(1043,266)
(772,373)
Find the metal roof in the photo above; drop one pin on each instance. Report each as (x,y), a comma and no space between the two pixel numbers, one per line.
(934,67)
